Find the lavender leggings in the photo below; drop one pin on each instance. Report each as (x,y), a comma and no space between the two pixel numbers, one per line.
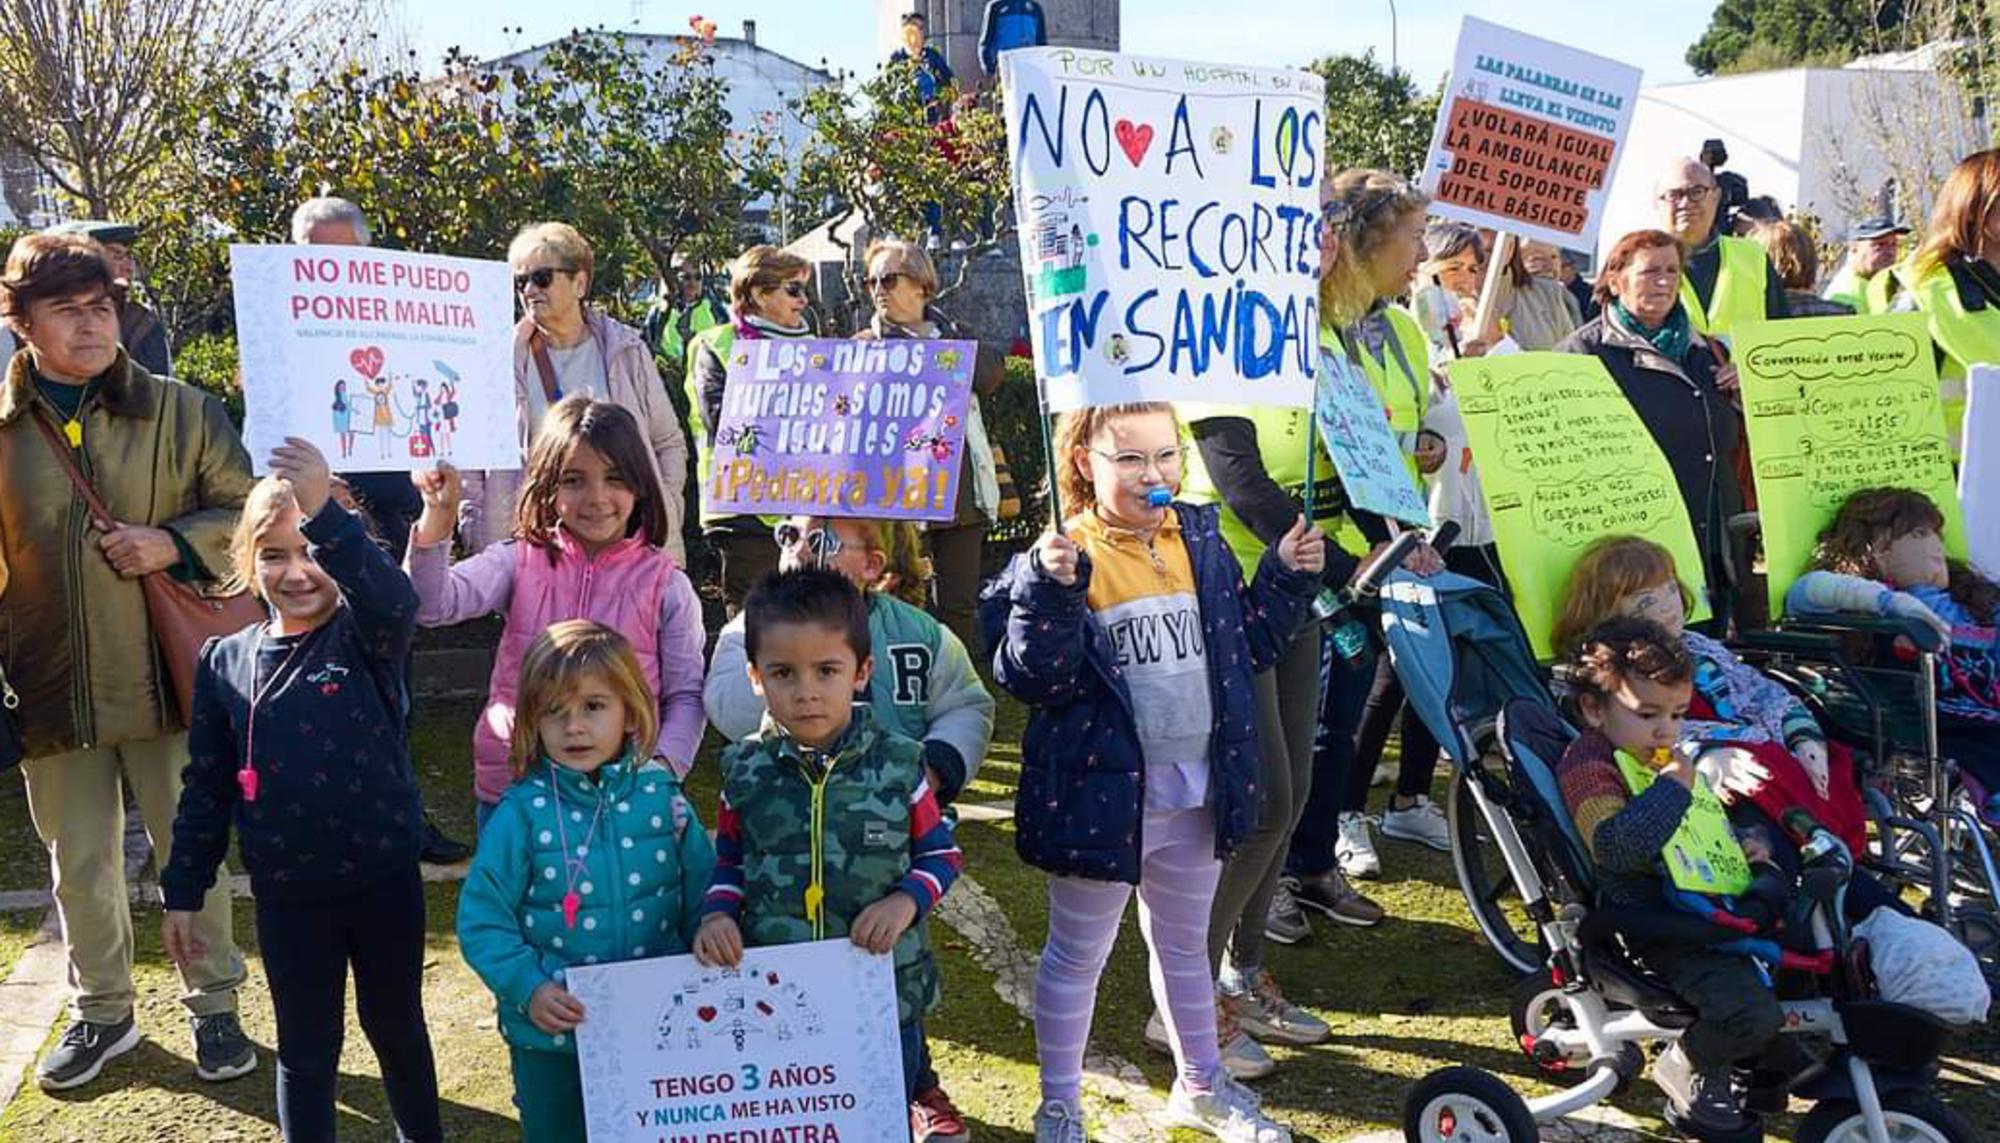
(1178,871)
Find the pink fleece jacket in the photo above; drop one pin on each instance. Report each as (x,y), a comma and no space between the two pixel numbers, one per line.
(631,587)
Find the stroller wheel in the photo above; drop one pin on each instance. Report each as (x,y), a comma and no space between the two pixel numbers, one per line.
(1979,930)
(1912,1117)
(1465,1105)
(1538,1009)
(1488,885)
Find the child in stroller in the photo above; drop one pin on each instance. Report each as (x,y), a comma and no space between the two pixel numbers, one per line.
(1660,839)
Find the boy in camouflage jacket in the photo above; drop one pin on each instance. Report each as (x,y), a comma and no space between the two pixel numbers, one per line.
(827,826)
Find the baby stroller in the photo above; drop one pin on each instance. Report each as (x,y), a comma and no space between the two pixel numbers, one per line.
(1584,1015)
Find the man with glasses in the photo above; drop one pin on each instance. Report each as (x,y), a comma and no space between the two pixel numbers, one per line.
(1729,280)
(684,308)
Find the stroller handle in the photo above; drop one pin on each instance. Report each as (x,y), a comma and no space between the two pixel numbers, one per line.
(1368,580)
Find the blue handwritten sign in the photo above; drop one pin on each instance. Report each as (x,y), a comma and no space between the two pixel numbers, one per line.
(1169,223)
(1354,426)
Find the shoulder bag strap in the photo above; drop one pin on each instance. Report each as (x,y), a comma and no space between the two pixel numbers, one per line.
(98,511)
(538,346)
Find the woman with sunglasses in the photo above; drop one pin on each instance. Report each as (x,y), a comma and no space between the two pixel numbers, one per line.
(563,346)
(902,281)
(767,298)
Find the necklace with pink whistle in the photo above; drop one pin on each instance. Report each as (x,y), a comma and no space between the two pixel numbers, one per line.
(574,864)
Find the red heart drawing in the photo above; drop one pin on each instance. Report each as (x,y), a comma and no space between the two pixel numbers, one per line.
(771,977)
(368,362)
(706,1012)
(1134,139)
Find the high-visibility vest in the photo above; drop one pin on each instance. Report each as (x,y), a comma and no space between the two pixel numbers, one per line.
(703,315)
(1967,337)
(722,339)
(1702,855)
(1740,279)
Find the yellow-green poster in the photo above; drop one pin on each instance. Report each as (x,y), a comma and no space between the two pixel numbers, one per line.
(1836,405)
(1564,461)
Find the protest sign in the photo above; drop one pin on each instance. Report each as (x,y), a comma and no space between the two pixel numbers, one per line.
(1979,475)
(1564,461)
(1528,135)
(1169,224)
(1833,406)
(1355,429)
(798,1042)
(842,428)
(387,361)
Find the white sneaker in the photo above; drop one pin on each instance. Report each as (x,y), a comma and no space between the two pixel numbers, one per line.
(1229,1113)
(1355,850)
(1422,822)
(1059,1122)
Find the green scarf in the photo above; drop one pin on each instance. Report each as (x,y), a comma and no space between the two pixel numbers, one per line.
(1672,338)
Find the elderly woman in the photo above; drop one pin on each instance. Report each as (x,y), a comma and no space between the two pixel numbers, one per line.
(767,298)
(901,282)
(1677,382)
(564,346)
(94,703)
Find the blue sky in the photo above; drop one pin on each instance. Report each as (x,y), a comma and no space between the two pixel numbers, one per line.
(1650,34)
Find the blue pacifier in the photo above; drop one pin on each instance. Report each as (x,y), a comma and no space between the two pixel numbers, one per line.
(1159,498)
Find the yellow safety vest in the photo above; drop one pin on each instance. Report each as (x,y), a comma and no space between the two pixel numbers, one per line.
(1739,288)
(1281,442)
(1968,337)
(1702,856)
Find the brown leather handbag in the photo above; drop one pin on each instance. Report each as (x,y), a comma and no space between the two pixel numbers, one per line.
(182,618)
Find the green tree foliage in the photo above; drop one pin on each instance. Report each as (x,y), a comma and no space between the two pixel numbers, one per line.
(1375,116)
(1753,35)
(873,149)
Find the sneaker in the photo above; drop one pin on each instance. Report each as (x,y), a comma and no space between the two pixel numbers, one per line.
(82,1052)
(935,1119)
(1268,1017)
(439,849)
(1355,850)
(1228,1113)
(1383,775)
(1422,822)
(1329,893)
(1057,1121)
(1242,1057)
(1283,922)
(221,1050)
(1699,1103)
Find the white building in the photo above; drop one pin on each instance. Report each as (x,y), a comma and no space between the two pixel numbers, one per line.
(1820,141)
(762,83)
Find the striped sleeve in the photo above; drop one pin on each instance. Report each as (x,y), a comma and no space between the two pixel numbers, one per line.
(725,885)
(935,859)
(1623,833)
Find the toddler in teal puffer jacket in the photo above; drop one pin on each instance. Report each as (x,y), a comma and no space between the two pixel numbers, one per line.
(592,856)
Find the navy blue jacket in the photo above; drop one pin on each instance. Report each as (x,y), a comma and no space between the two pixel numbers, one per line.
(1083,777)
(337,806)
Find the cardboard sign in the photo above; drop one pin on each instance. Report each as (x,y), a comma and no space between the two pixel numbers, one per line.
(797,1042)
(1564,461)
(1528,135)
(842,428)
(1169,222)
(1833,406)
(1354,427)
(387,361)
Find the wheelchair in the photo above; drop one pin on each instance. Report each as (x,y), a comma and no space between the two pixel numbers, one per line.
(1585,1007)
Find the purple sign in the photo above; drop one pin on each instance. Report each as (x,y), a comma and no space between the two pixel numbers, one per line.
(842,428)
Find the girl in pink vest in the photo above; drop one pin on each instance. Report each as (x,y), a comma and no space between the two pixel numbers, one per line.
(589,535)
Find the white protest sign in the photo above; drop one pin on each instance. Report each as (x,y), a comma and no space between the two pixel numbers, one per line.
(799,1042)
(1528,135)
(1169,221)
(1979,472)
(387,361)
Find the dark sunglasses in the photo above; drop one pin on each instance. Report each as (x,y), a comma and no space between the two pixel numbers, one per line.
(791,289)
(887,280)
(821,543)
(541,277)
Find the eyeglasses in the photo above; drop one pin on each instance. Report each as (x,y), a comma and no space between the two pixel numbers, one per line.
(822,544)
(1690,195)
(790,289)
(888,279)
(541,276)
(1132,464)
